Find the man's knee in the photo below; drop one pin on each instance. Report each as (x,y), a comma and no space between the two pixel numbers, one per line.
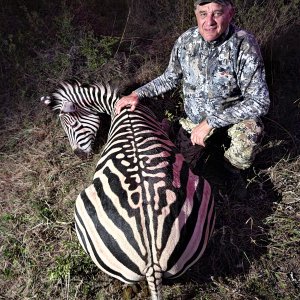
(246,138)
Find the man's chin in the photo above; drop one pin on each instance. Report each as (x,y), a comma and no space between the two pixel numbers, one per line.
(211,36)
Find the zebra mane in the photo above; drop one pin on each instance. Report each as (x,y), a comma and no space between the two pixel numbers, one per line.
(97,95)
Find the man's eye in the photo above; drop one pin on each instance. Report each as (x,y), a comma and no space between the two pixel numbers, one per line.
(218,13)
(202,14)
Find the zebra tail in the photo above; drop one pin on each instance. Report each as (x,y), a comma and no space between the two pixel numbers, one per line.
(154,278)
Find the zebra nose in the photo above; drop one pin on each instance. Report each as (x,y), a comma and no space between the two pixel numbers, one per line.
(82,154)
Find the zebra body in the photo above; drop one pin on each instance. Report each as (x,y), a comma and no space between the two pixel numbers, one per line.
(145,215)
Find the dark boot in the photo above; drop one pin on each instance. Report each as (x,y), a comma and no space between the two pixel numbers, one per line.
(236,182)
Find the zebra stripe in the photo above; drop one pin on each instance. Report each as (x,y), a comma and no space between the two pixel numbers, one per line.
(145,215)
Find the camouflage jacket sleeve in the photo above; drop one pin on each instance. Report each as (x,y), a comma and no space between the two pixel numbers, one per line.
(165,82)
(250,75)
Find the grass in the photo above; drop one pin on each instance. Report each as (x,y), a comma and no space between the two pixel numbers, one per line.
(254,252)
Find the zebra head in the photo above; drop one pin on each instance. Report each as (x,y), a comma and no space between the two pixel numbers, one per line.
(79,123)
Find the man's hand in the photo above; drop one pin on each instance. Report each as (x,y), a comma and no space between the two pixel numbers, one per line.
(200,132)
(131,101)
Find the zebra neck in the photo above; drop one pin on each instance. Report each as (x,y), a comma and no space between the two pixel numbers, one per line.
(105,100)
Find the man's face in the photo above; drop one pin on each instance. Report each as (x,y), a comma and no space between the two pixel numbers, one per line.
(213,19)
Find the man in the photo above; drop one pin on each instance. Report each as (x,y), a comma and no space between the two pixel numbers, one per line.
(223,78)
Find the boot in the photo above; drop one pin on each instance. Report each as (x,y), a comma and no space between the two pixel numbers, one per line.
(236,182)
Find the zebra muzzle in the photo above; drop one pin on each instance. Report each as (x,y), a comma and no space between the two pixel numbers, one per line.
(82,154)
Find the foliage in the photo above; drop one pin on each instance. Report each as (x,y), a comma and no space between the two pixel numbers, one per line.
(267,19)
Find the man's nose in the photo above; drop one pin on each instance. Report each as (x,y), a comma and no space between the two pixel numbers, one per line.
(210,20)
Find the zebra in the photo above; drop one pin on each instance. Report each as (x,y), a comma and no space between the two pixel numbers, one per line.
(146,215)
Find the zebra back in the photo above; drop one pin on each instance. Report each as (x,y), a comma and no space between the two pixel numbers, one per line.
(145,215)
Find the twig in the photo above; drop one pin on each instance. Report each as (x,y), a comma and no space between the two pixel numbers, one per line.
(284,129)
(122,37)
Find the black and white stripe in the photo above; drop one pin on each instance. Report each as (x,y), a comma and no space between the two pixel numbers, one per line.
(79,109)
(145,215)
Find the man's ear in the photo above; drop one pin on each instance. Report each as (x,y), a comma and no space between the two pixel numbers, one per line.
(232,13)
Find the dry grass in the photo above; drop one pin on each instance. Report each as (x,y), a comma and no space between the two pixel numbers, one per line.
(253,253)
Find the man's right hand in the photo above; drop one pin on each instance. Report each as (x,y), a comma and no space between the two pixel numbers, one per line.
(131,101)
(200,133)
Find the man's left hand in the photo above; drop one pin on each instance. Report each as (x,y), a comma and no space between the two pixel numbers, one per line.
(200,132)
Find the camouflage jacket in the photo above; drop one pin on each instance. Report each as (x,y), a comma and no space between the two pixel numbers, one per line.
(223,81)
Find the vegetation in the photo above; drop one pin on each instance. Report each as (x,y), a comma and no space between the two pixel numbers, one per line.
(254,253)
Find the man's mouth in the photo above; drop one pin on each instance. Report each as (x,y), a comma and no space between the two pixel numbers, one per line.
(210,29)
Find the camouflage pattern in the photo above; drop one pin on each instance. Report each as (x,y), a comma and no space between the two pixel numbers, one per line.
(245,137)
(223,81)
(188,126)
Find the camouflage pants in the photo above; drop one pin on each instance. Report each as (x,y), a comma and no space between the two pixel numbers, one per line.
(245,142)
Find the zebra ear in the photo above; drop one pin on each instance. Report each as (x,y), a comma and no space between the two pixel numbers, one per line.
(68,107)
(46,100)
